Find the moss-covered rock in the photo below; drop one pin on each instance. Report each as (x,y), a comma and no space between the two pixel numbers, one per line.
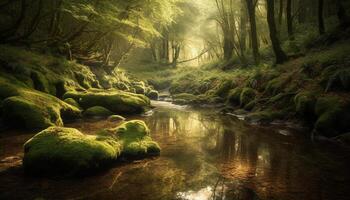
(97,111)
(153,94)
(117,101)
(305,104)
(247,95)
(223,88)
(184,98)
(139,89)
(234,96)
(33,109)
(58,150)
(135,138)
(116,118)
(333,116)
(72,102)
(265,116)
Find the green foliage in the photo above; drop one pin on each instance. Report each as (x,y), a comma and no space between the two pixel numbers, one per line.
(333,116)
(247,95)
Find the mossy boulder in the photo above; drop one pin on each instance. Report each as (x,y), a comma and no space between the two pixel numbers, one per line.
(72,102)
(153,94)
(234,96)
(35,110)
(136,140)
(116,118)
(305,104)
(58,150)
(97,111)
(223,88)
(247,95)
(333,116)
(184,98)
(117,101)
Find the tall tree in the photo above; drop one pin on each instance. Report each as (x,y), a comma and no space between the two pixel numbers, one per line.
(343,17)
(281,57)
(253,33)
(321,27)
(290,20)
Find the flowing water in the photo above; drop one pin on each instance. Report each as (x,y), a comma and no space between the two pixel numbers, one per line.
(204,155)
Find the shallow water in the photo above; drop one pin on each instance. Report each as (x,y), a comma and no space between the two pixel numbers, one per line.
(204,156)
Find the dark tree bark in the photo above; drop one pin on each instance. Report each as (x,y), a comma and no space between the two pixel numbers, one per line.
(280,13)
(290,20)
(253,33)
(321,27)
(281,57)
(243,27)
(228,47)
(344,20)
(301,12)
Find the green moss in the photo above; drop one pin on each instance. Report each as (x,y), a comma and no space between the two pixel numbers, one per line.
(277,85)
(234,96)
(114,100)
(136,140)
(153,94)
(97,111)
(265,116)
(184,98)
(223,88)
(58,150)
(72,102)
(250,106)
(21,112)
(333,116)
(139,89)
(305,104)
(40,82)
(115,118)
(247,95)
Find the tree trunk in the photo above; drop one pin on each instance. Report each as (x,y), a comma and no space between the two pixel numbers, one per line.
(344,20)
(228,47)
(302,11)
(253,33)
(321,27)
(280,14)
(290,20)
(281,57)
(243,27)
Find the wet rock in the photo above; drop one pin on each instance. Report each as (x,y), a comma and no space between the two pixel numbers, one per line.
(115,118)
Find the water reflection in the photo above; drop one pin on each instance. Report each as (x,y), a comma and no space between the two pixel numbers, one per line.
(204,156)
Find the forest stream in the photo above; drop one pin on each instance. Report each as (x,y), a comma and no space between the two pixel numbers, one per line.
(205,155)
